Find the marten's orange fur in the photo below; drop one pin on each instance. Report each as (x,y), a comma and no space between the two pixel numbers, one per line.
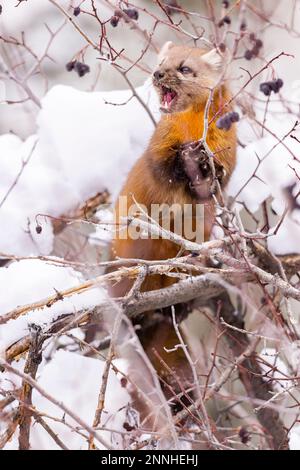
(154,179)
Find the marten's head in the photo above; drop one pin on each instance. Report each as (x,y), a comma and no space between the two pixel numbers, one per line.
(185,75)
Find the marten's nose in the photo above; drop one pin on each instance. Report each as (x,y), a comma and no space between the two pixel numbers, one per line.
(158,75)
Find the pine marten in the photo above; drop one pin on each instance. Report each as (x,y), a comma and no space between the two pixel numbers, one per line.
(183,80)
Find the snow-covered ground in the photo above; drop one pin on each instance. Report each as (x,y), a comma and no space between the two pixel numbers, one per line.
(27,281)
(75,381)
(69,377)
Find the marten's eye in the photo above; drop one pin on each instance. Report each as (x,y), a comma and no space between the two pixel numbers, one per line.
(185,70)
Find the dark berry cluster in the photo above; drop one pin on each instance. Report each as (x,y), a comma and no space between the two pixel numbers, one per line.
(255,50)
(114,21)
(79,67)
(132,13)
(128,427)
(225,122)
(225,20)
(267,87)
(76,11)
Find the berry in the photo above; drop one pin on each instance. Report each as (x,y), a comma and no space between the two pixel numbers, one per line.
(234,116)
(227,120)
(258,43)
(81,68)
(222,47)
(226,3)
(76,11)
(224,123)
(227,123)
(252,37)
(114,21)
(243,26)
(132,13)
(128,427)
(265,88)
(274,87)
(279,83)
(248,55)
(1,9)
(220,123)
(38,229)
(70,65)
(123,382)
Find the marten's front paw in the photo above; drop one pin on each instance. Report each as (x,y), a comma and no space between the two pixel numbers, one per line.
(196,158)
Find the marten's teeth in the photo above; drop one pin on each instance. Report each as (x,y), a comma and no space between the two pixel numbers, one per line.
(166,104)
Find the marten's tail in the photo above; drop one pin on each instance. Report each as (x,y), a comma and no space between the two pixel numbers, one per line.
(161,342)
(162,345)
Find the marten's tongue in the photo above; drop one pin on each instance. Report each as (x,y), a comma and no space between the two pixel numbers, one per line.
(169,96)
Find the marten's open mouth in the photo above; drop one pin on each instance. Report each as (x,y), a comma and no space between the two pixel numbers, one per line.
(168,97)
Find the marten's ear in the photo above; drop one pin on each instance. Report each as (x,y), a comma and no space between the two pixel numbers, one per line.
(164,50)
(213,58)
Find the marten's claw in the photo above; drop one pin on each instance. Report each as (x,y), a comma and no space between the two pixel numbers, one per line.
(220,176)
(197,152)
(220,173)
